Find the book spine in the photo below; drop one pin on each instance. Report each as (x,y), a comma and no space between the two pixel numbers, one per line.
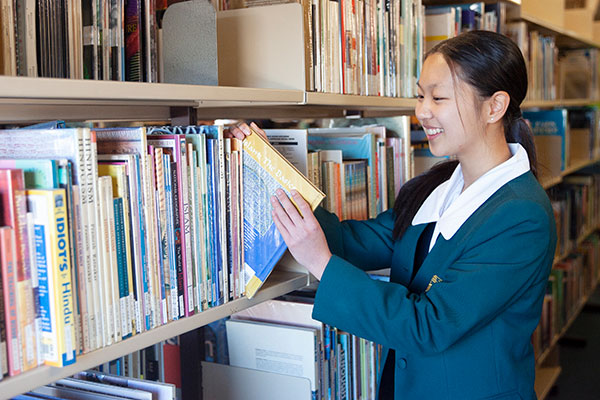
(65,182)
(151,249)
(62,276)
(9,294)
(186,237)
(173,295)
(195,224)
(228,219)
(162,225)
(161,303)
(105,261)
(122,267)
(91,227)
(25,301)
(179,250)
(144,199)
(221,191)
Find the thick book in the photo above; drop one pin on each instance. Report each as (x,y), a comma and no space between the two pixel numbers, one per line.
(266,170)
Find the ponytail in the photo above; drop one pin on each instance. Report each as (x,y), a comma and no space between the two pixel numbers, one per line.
(518,130)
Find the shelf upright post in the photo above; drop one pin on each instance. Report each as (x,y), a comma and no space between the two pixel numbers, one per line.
(181,116)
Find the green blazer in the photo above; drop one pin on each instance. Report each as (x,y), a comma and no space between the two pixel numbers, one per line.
(462,328)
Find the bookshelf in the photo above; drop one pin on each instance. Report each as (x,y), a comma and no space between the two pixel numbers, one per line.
(39,99)
(550,182)
(279,283)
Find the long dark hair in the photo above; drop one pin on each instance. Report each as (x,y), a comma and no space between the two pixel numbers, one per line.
(489,62)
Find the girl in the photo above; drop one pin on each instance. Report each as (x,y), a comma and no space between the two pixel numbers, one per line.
(470,243)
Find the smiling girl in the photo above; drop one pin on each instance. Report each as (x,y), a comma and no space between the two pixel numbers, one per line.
(470,243)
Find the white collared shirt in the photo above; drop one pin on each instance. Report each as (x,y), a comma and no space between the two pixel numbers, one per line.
(450,208)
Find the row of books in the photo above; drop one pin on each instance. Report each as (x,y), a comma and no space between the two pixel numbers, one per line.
(358,168)
(541,56)
(571,281)
(92,39)
(156,238)
(280,336)
(448,21)
(564,138)
(576,209)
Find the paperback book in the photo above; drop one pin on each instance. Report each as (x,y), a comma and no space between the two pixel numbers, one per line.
(266,170)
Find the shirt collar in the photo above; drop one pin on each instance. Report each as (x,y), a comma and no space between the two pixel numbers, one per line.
(450,208)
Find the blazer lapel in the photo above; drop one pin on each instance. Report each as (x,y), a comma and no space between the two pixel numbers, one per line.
(404,255)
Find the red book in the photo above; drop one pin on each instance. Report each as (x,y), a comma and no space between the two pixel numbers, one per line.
(9,292)
(172,364)
(13,206)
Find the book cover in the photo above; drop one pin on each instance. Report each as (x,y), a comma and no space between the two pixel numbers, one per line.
(284,349)
(266,170)
(551,137)
(54,272)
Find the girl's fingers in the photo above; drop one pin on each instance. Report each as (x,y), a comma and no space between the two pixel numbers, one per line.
(258,130)
(280,226)
(283,216)
(289,207)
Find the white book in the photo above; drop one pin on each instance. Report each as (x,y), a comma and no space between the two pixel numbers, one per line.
(292,144)
(295,314)
(439,27)
(104,265)
(137,292)
(282,349)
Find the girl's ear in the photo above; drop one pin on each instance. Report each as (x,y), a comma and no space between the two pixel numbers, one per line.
(496,106)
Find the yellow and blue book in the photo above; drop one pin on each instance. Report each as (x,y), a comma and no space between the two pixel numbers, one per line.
(51,230)
(266,170)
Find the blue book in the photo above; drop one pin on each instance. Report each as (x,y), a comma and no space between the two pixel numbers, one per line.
(550,128)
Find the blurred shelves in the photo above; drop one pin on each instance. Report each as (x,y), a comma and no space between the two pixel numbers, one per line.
(545,378)
(549,182)
(559,103)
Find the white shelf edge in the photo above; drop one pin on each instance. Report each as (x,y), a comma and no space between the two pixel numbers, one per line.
(34,90)
(351,100)
(278,283)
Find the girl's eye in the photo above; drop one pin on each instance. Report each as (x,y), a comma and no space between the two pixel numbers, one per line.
(438,98)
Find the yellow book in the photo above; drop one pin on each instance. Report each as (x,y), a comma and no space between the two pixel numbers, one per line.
(266,170)
(56,305)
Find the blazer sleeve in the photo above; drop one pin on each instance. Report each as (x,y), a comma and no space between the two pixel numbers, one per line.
(366,244)
(504,257)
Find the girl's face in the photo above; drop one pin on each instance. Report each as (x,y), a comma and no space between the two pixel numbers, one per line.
(449,111)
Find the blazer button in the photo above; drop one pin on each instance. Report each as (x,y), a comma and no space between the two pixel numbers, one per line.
(402,363)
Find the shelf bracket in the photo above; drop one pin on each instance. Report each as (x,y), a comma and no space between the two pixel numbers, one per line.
(182,116)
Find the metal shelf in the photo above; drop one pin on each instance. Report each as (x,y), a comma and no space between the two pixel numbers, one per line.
(278,283)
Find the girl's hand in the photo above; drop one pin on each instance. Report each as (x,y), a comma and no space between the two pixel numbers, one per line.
(302,233)
(241,130)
